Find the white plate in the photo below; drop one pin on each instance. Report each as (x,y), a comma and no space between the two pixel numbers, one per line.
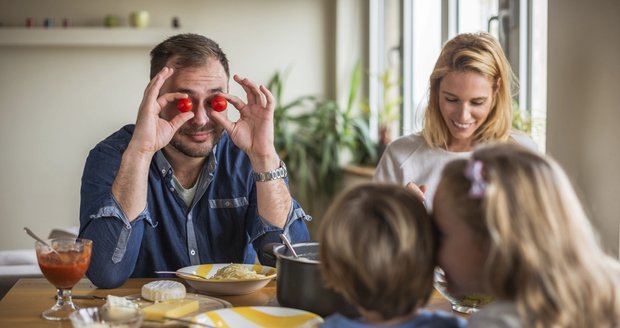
(258,316)
(226,287)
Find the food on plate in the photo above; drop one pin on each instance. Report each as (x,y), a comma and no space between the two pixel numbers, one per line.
(219,103)
(235,271)
(169,309)
(163,290)
(119,308)
(185,105)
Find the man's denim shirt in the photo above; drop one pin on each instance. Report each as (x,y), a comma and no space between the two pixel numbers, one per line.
(221,226)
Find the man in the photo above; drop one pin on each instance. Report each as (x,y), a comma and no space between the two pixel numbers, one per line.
(185,188)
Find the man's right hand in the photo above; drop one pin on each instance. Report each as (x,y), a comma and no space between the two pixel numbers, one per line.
(152,132)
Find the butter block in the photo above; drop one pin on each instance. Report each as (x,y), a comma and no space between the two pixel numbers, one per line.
(171,309)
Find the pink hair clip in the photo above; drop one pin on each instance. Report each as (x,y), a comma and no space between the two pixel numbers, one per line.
(473,172)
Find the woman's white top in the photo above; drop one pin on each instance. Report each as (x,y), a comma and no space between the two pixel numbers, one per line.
(411,159)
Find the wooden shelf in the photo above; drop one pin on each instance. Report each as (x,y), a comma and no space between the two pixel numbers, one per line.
(84,36)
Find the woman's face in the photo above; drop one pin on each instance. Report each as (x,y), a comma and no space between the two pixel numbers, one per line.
(465,100)
(460,255)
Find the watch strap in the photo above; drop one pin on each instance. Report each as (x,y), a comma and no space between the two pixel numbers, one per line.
(278,173)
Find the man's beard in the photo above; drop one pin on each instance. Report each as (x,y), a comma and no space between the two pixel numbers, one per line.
(202,150)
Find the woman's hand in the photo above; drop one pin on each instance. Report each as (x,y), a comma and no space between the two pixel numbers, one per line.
(419,191)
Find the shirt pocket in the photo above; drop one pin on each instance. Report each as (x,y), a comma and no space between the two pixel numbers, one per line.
(229,202)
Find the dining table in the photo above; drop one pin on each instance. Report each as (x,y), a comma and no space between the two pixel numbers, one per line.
(24,302)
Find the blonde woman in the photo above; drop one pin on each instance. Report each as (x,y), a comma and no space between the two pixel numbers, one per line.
(377,248)
(470,103)
(513,227)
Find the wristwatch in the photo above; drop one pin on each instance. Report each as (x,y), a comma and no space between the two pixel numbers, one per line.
(278,173)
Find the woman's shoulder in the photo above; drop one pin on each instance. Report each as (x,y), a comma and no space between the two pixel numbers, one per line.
(407,144)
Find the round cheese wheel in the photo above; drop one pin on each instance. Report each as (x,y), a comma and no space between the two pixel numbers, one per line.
(163,290)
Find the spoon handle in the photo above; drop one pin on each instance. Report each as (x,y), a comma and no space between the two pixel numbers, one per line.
(288,244)
(31,234)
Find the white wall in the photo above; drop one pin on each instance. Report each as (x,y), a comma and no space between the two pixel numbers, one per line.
(584,105)
(57,102)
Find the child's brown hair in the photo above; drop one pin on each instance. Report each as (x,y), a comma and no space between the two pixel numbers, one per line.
(377,248)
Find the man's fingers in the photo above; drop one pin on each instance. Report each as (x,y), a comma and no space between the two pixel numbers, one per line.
(270,101)
(221,119)
(233,100)
(152,89)
(178,120)
(251,97)
(259,97)
(167,98)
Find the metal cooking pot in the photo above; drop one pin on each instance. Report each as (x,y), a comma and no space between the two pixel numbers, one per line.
(299,282)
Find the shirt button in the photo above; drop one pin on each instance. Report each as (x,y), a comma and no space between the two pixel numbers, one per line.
(171,189)
(193,252)
(163,171)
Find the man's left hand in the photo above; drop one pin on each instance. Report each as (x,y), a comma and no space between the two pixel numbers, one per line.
(254,131)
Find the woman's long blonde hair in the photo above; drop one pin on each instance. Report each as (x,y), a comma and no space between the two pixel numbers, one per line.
(480,53)
(543,253)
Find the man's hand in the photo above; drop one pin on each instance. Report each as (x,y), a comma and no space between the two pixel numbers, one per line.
(152,132)
(254,131)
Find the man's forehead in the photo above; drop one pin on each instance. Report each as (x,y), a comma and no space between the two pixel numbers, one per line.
(211,63)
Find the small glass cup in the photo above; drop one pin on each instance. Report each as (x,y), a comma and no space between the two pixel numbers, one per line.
(63,263)
(102,317)
(463,304)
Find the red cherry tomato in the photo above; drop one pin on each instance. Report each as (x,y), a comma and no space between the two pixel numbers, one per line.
(219,103)
(184,105)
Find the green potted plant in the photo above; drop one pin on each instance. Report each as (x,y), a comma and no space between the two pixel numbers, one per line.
(313,134)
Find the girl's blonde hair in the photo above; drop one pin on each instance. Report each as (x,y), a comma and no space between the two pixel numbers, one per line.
(480,53)
(377,248)
(543,253)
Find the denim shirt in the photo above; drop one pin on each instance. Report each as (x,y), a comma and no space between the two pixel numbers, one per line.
(222,225)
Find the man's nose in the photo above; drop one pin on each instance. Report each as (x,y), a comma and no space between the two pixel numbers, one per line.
(200,114)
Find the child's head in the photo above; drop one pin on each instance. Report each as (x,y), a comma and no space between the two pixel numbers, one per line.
(481,54)
(511,225)
(377,248)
